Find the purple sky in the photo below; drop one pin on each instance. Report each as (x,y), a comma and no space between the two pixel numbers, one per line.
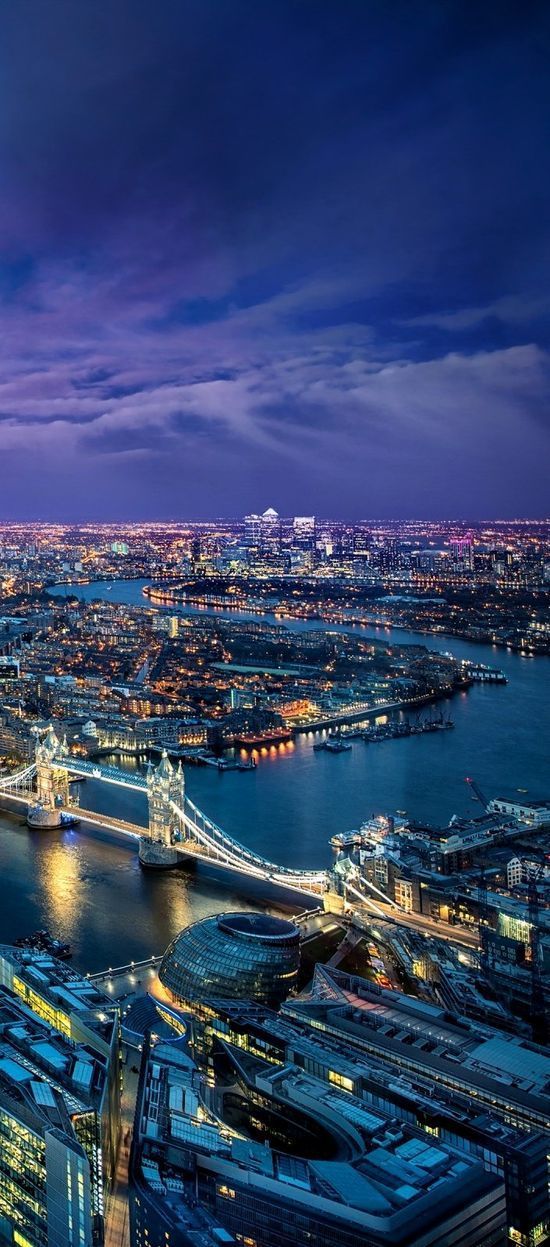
(291,254)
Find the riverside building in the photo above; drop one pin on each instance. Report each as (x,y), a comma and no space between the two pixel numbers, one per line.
(249,956)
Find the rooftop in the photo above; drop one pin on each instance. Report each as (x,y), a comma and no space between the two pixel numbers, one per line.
(393,1170)
(50,1075)
(59,984)
(258,926)
(429,1034)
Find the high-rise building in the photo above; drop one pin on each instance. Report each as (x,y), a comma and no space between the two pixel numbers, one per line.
(252,530)
(263,532)
(270,531)
(388,557)
(59,1103)
(462,553)
(303,529)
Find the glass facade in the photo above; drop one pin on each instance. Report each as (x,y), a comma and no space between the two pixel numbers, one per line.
(233,956)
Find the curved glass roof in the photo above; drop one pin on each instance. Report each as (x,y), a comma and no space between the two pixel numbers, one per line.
(258,926)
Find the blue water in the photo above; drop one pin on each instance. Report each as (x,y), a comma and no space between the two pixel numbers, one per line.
(297,798)
(92,892)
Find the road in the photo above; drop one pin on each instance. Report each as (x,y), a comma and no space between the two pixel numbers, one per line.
(117,1220)
(418,922)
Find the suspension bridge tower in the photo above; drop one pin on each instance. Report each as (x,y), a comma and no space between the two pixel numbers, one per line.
(165,788)
(52,782)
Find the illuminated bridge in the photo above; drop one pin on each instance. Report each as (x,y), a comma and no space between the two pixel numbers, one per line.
(177,827)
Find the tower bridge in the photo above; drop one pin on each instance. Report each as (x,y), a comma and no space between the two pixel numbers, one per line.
(177,828)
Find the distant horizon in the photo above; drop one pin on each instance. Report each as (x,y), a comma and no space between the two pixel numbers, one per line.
(239,519)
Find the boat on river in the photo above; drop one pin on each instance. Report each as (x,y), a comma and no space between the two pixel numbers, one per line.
(333,745)
(44,942)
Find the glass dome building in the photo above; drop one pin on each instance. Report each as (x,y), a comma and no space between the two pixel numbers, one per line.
(235,956)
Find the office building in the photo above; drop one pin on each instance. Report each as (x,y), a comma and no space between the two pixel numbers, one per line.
(506,1075)
(516,1151)
(58,1118)
(303,530)
(263,532)
(247,956)
(261,1155)
(72,1007)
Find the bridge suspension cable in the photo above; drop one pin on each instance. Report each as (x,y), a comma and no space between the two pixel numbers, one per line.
(20,777)
(226,849)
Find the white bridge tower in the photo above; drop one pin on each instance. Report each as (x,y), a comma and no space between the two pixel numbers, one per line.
(52,782)
(165,788)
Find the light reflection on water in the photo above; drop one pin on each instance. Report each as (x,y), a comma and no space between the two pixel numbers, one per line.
(92,892)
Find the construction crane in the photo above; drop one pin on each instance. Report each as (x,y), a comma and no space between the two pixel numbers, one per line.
(478,795)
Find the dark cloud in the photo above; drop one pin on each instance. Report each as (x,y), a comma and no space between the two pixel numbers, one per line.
(294,252)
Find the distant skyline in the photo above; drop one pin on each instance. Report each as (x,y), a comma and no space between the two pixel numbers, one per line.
(286,254)
(460,521)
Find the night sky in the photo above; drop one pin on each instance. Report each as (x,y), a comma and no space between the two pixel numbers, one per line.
(270,253)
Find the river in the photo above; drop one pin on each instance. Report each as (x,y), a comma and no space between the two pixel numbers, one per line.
(94,894)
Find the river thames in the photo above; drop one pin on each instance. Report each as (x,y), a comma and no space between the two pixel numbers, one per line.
(92,892)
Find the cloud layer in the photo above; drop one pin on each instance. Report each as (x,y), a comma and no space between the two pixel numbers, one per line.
(273,254)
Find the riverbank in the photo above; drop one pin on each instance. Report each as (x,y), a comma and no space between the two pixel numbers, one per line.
(294,798)
(192,605)
(174,598)
(389,707)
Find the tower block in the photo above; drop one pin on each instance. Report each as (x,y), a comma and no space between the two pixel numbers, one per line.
(165,784)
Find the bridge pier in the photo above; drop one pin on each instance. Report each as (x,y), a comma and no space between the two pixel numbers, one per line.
(165,787)
(52,783)
(177,827)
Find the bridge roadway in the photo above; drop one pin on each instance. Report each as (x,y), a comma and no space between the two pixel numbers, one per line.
(427,927)
(205,841)
(202,838)
(189,848)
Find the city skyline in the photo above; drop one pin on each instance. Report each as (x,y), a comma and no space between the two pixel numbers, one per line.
(273,253)
(274,580)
